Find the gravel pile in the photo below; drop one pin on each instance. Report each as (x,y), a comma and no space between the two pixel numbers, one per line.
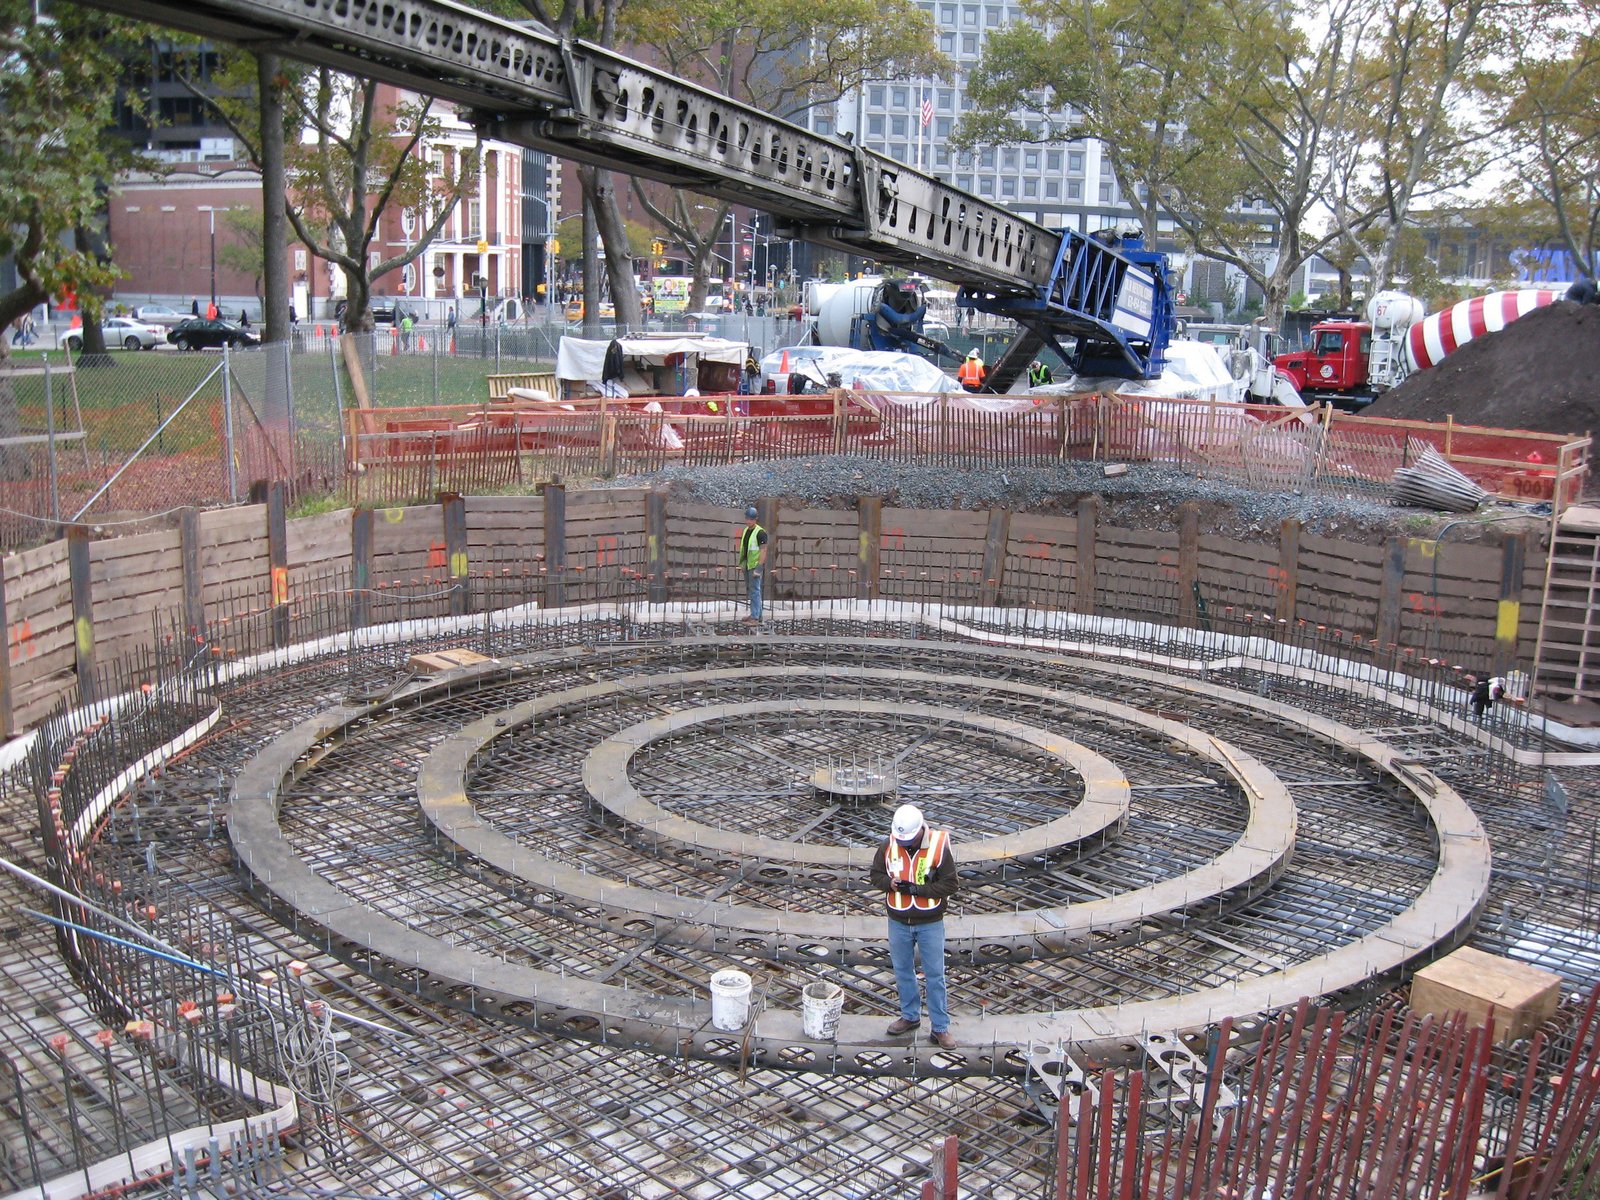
(1146,497)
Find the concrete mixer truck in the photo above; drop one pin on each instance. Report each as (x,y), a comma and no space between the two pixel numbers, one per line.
(1348,363)
(873,313)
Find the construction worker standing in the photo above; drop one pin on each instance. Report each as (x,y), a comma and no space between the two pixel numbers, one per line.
(916,871)
(753,558)
(972,372)
(1039,374)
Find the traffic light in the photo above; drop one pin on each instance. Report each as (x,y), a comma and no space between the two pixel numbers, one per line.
(658,248)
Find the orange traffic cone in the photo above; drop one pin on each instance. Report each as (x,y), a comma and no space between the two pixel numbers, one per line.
(394,342)
(422,344)
(783,367)
(316,331)
(452,343)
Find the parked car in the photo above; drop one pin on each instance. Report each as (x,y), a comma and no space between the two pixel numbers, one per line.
(120,331)
(203,333)
(384,312)
(157,314)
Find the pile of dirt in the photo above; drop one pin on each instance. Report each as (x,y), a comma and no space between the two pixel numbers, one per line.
(1541,372)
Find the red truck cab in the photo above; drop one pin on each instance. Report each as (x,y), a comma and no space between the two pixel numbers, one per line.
(1334,366)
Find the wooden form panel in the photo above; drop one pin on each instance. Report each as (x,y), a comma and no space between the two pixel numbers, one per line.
(1041,564)
(319,547)
(815,554)
(39,651)
(1136,573)
(1243,576)
(233,558)
(408,544)
(1339,584)
(137,584)
(504,530)
(932,555)
(606,529)
(703,551)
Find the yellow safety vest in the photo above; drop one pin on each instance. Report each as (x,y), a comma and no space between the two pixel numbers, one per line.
(914,868)
(750,547)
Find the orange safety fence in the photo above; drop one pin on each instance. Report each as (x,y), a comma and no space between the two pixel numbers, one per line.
(1265,447)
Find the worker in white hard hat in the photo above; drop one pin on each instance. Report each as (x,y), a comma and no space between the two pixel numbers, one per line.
(916,872)
(972,372)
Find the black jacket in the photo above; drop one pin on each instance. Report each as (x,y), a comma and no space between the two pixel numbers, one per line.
(943,882)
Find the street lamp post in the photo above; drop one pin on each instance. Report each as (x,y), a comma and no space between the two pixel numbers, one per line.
(211,214)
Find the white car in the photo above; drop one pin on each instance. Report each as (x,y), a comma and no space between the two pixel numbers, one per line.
(121,331)
(157,314)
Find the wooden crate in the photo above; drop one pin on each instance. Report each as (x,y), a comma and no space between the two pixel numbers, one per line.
(445,660)
(1518,997)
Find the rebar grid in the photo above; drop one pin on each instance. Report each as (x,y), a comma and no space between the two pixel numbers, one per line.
(386,1148)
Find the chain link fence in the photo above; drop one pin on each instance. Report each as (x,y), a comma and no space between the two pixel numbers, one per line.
(128,434)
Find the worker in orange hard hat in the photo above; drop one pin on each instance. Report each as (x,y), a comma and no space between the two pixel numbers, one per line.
(972,372)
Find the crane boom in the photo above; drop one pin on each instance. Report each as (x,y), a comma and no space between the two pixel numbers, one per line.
(522,83)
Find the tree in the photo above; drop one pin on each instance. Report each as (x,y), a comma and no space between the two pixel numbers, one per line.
(784,56)
(357,163)
(1408,129)
(1217,114)
(1552,130)
(55,152)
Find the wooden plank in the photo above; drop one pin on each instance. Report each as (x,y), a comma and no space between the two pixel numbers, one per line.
(193,585)
(1387,629)
(555,544)
(1508,614)
(8,725)
(1088,550)
(1313,544)
(869,546)
(82,611)
(278,562)
(361,531)
(657,552)
(1188,563)
(996,538)
(454,518)
(1287,579)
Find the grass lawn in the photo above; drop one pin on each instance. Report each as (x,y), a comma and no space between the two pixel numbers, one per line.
(123,402)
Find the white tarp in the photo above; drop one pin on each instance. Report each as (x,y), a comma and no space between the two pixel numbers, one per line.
(873,370)
(1194,371)
(581,361)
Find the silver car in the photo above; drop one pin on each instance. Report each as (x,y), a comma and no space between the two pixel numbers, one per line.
(121,331)
(158,314)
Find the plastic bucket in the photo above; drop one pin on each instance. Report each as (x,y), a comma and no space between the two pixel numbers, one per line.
(820,1006)
(730,1000)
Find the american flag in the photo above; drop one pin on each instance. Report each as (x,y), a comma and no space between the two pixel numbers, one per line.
(927,111)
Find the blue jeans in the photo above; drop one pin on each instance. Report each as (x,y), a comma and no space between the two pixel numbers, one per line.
(929,939)
(752,582)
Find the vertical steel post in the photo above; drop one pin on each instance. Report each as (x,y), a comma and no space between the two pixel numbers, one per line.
(50,438)
(227,423)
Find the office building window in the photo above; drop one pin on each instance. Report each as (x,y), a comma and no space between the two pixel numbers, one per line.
(1075,162)
(986,186)
(969,43)
(991,17)
(1008,160)
(969,15)
(1030,187)
(964,182)
(1008,186)
(966,104)
(1052,160)
(824,126)
(947,99)
(897,127)
(1074,190)
(942,127)
(900,98)
(875,96)
(875,126)
(947,43)
(1105,193)
(941,157)
(1052,189)
(1030,160)
(947,14)
(986,159)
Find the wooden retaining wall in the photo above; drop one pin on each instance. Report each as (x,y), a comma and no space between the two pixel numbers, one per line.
(78,601)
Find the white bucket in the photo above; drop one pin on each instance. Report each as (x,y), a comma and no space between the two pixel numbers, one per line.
(730,1000)
(820,1006)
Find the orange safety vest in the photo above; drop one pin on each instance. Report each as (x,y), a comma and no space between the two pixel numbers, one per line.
(971,373)
(914,868)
